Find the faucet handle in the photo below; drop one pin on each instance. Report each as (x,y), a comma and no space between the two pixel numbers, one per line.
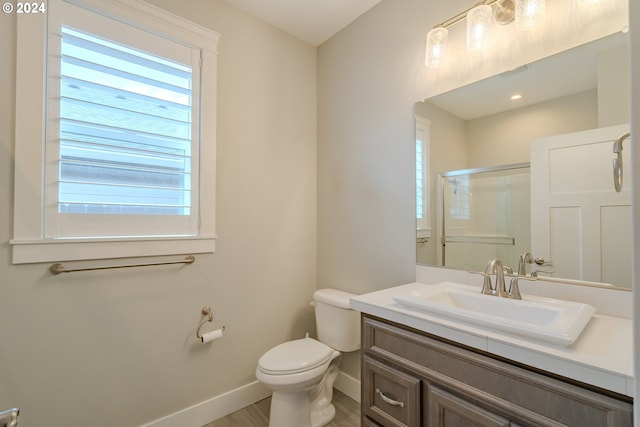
(542,261)
(486,283)
(535,273)
(514,289)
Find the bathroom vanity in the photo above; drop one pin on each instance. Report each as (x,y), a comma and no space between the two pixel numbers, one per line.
(424,370)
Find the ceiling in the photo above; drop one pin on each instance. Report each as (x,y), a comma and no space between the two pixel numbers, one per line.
(570,72)
(313,21)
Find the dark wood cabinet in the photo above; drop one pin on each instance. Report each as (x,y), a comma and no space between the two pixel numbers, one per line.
(413,379)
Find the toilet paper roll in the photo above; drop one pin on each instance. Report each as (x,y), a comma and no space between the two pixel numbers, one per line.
(211,336)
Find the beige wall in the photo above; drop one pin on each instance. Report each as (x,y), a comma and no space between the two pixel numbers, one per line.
(118,348)
(504,138)
(613,90)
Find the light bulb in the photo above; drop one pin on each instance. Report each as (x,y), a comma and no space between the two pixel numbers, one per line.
(529,13)
(478,26)
(436,41)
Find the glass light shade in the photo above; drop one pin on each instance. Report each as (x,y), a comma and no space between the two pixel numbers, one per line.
(529,13)
(436,41)
(478,26)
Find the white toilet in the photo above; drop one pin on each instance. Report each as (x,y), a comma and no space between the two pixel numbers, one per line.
(301,372)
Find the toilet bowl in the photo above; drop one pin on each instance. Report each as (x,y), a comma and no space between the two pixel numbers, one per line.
(296,372)
(301,372)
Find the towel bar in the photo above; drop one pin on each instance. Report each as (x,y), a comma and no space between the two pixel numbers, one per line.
(60,268)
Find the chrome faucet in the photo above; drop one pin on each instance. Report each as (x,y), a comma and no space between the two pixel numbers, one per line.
(495,267)
(525,258)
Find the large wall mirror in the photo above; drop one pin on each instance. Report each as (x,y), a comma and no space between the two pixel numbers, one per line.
(521,163)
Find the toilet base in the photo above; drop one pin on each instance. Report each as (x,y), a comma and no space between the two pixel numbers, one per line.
(324,417)
(289,410)
(294,410)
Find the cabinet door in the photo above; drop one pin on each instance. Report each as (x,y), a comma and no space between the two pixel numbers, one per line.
(391,397)
(447,410)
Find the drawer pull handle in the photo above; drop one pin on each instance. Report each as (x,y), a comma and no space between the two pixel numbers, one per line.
(389,401)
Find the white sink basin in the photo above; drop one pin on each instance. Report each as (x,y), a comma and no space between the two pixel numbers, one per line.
(545,319)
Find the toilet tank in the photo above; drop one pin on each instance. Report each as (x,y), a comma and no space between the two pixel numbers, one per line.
(338,325)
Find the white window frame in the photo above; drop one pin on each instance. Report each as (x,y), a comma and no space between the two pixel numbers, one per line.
(29,244)
(423,134)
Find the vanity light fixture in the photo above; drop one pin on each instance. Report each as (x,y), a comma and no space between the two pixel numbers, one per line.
(505,12)
(529,13)
(436,40)
(479,24)
(478,27)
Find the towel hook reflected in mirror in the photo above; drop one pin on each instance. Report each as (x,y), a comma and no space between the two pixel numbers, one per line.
(617,162)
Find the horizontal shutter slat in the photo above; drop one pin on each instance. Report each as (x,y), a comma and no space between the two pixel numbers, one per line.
(122,119)
(86,42)
(82,132)
(82,90)
(82,66)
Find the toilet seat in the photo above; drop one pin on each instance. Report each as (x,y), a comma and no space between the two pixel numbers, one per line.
(294,357)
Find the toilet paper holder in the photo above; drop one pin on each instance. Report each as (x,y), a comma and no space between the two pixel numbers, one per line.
(206,311)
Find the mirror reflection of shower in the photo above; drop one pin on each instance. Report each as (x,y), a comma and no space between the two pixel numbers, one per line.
(484,215)
(459,197)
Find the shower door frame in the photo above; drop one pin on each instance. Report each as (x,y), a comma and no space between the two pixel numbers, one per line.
(440,197)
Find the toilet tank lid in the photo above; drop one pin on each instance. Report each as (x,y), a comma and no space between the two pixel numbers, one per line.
(333,297)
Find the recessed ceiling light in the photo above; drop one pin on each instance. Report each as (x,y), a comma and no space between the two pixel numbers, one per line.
(516,97)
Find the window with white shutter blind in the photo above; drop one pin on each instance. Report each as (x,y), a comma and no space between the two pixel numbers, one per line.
(423,222)
(123,140)
(125,130)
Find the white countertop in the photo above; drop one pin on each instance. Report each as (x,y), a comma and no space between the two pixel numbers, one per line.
(601,356)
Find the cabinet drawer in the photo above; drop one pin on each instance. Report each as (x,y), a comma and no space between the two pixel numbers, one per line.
(393,397)
(447,410)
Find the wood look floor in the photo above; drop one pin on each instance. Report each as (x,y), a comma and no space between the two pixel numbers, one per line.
(257,415)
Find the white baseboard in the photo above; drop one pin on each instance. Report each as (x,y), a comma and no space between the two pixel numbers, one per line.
(348,385)
(219,406)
